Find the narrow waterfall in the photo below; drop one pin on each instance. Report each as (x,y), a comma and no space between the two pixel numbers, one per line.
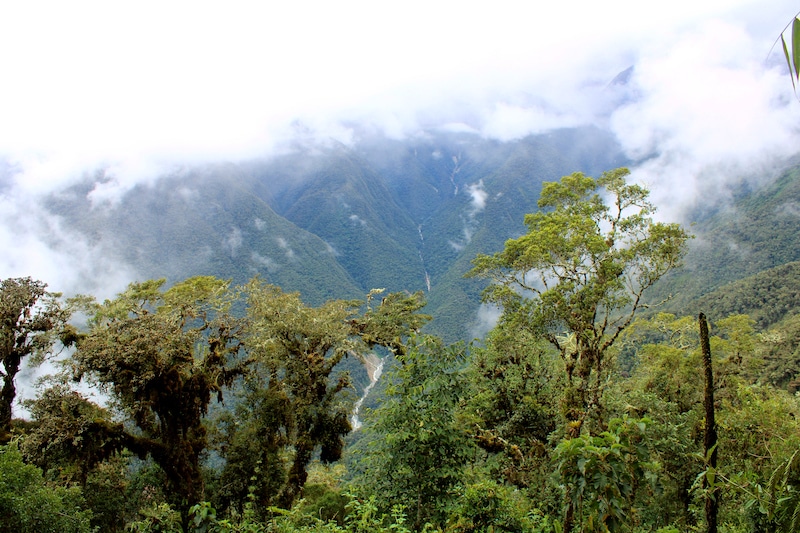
(422,259)
(374,366)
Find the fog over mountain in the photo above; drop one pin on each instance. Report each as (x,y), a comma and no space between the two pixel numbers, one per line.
(100,100)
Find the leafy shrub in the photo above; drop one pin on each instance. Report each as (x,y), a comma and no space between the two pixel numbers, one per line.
(28,505)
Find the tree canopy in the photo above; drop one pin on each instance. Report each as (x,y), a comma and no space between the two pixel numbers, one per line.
(577,277)
(161,355)
(577,412)
(32,321)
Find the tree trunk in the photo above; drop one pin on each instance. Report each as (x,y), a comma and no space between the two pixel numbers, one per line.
(297,477)
(7,396)
(710,438)
(569,514)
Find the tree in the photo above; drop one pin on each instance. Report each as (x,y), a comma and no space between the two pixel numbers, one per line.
(513,405)
(160,355)
(32,321)
(577,277)
(710,434)
(604,473)
(421,451)
(757,425)
(62,418)
(28,505)
(297,401)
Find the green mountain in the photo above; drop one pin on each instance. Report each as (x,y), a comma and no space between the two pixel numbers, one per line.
(768,297)
(206,222)
(411,215)
(349,205)
(338,221)
(754,235)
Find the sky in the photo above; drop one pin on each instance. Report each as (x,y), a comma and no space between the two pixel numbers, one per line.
(138,88)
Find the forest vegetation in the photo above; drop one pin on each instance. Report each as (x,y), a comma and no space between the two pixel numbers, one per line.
(224,407)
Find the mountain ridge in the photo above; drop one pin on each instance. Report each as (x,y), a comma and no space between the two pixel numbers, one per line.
(338,221)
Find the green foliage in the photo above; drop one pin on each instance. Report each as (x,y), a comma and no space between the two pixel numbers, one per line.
(759,435)
(419,456)
(602,474)
(324,502)
(70,434)
(111,493)
(792,53)
(776,505)
(29,505)
(161,354)
(159,518)
(296,401)
(780,349)
(515,385)
(300,404)
(487,506)
(364,516)
(756,423)
(581,270)
(32,322)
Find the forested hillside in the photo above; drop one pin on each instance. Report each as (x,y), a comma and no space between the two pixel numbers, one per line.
(755,232)
(373,267)
(229,405)
(411,215)
(339,221)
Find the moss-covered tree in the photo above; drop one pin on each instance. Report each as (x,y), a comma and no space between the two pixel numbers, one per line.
(577,278)
(32,321)
(297,400)
(161,355)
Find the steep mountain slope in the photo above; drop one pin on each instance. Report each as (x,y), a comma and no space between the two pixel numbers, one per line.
(768,297)
(337,221)
(206,222)
(492,211)
(758,231)
(410,214)
(347,204)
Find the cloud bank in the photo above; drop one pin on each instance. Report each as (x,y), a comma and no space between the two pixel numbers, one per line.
(147,88)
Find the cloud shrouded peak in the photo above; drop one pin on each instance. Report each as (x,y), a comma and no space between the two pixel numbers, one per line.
(143,89)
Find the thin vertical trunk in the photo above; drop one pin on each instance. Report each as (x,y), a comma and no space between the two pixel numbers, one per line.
(710,438)
(569,514)
(7,395)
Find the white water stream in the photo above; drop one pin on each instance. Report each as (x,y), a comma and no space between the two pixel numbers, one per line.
(374,368)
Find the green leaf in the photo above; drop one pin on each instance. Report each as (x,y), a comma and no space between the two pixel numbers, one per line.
(788,63)
(796,46)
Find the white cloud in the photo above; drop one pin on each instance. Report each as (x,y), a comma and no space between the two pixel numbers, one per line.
(35,244)
(478,196)
(508,122)
(233,241)
(283,243)
(708,111)
(456,246)
(140,89)
(265,262)
(485,320)
(149,85)
(355,219)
